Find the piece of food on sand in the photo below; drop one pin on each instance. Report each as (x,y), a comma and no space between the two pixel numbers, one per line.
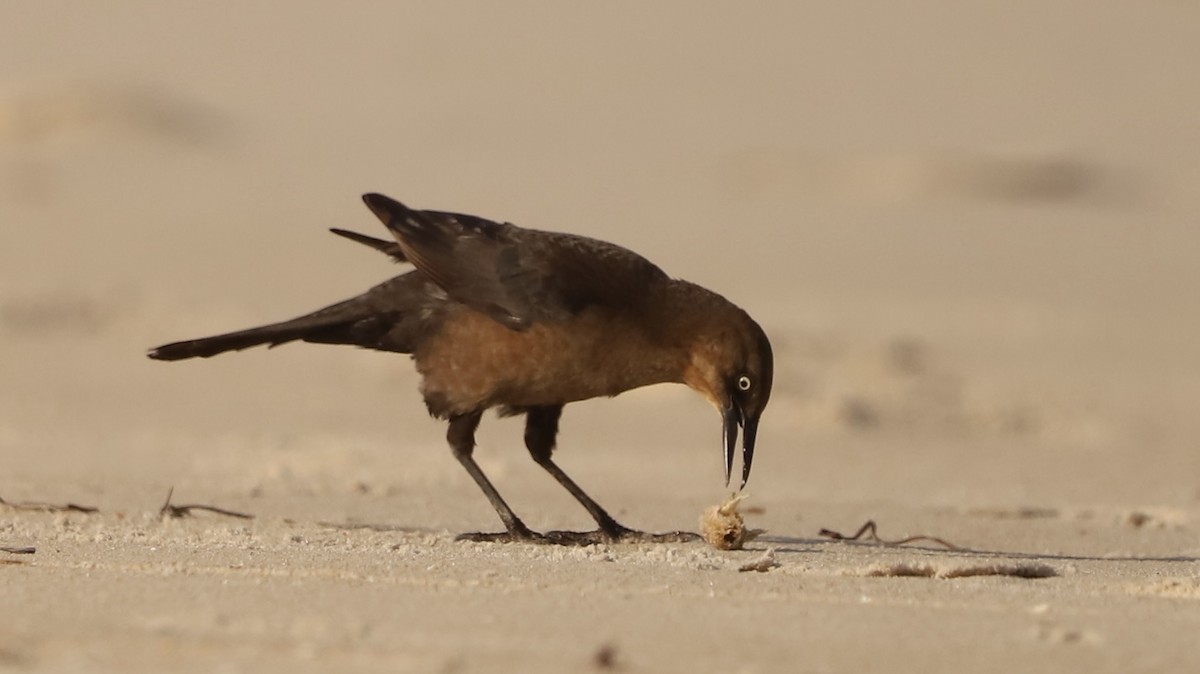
(723,527)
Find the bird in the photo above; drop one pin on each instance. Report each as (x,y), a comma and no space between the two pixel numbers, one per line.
(525,321)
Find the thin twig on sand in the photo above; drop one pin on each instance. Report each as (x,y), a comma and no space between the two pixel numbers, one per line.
(868,528)
(48,507)
(28,550)
(186,510)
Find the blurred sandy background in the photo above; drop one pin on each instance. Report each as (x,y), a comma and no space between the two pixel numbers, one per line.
(970,232)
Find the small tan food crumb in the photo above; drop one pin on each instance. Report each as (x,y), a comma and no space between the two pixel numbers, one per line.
(761,564)
(722,525)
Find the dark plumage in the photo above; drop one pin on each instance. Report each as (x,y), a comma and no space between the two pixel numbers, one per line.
(526,321)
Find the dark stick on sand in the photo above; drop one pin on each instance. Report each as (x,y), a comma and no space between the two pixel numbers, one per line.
(186,510)
(29,550)
(48,507)
(868,528)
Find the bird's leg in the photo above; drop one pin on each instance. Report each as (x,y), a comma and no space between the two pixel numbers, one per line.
(461,436)
(541,429)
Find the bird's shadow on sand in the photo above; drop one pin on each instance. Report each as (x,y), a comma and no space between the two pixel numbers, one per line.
(804,545)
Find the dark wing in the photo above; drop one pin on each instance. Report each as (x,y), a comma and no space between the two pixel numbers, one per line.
(517,276)
(389,248)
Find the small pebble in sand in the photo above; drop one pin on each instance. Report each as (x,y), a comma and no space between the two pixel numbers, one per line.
(722,525)
(761,564)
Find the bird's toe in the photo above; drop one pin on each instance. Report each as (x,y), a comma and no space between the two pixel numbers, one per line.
(518,534)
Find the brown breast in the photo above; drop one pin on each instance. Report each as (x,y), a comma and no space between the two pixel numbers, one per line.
(472,362)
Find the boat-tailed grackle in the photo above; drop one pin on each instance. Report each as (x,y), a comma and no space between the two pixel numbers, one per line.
(526,321)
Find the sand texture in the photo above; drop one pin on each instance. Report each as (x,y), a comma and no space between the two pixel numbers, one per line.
(970,232)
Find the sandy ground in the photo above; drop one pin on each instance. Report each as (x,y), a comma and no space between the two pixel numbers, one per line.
(971,235)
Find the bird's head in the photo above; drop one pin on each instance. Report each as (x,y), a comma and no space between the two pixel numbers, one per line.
(731,365)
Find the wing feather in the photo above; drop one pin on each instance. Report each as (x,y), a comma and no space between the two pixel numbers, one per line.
(516,276)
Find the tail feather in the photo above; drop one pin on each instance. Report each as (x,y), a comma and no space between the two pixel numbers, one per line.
(389,317)
(271,335)
(208,347)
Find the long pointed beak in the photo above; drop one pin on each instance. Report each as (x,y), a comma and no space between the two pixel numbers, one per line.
(749,432)
(731,418)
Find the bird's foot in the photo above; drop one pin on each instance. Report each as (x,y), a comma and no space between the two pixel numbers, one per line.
(502,537)
(517,533)
(580,538)
(612,531)
(609,531)
(619,535)
(634,536)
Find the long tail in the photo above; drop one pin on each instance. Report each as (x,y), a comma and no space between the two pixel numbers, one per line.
(272,335)
(383,319)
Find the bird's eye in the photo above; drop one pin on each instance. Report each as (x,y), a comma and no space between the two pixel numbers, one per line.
(743,383)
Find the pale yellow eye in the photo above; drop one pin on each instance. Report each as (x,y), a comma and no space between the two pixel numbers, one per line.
(744,383)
